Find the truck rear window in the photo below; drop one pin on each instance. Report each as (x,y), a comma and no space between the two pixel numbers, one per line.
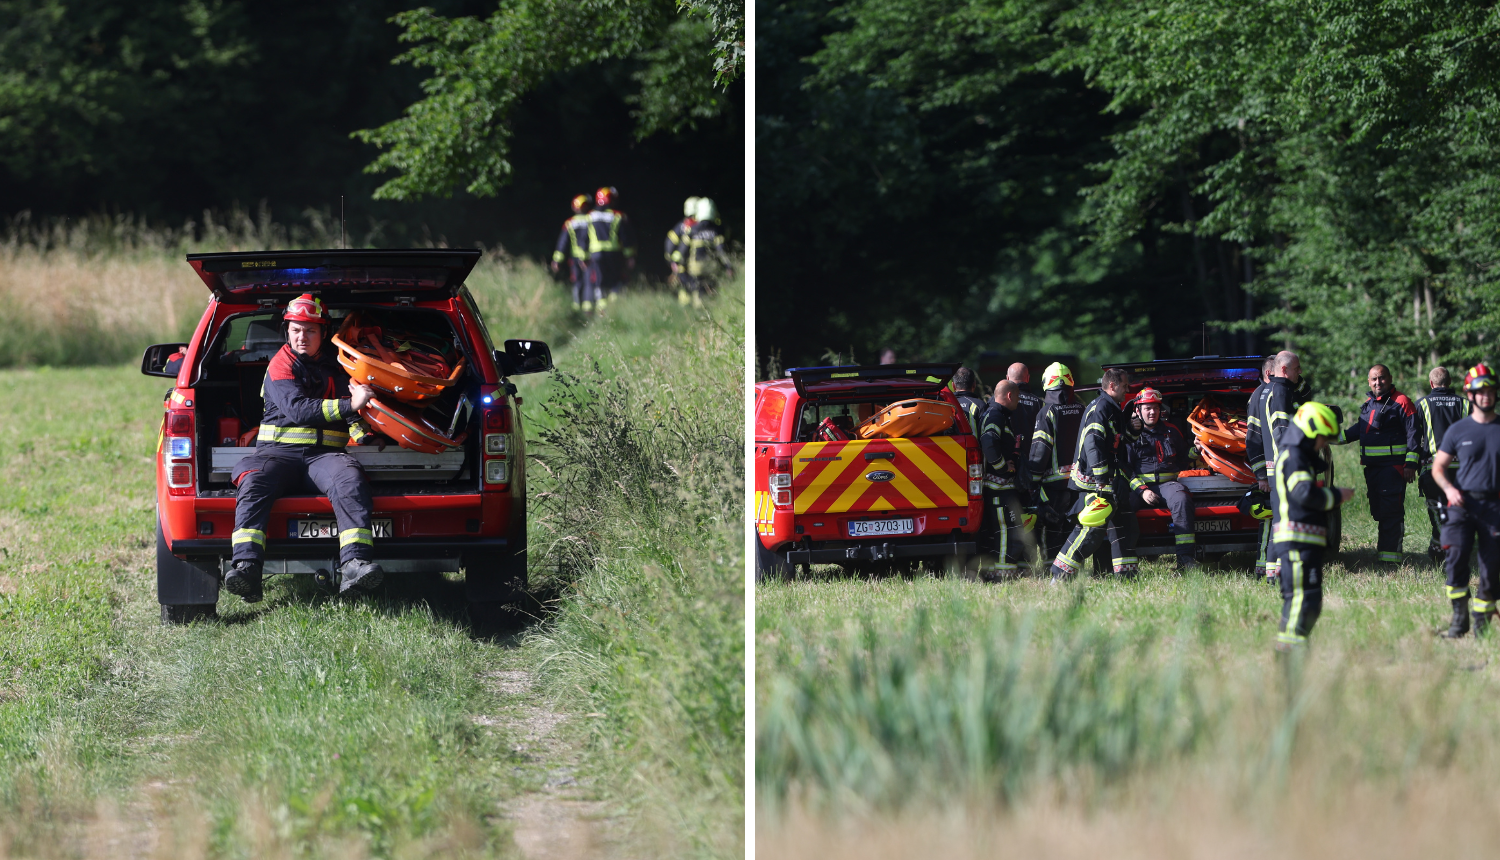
(768,414)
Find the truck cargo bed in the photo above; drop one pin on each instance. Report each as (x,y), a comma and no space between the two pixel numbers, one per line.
(392,464)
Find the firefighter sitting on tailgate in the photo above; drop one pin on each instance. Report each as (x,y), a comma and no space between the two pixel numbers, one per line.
(1004,525)
(572,243)
(1152,462)
(311,409)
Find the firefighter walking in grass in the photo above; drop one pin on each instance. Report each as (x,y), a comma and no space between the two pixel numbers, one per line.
(1303,505)
(1103,508)
(611,247)
(676,247)
(1004,526)
(1473,510)
(311,412)
(1152,461)
(1054,442)
(1436,412)
(1270,413)
(1388,449)
(572,246)
(706,257)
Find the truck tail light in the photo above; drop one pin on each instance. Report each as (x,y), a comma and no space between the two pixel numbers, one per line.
(177,452)
(497,419)
(497,471)
(976,470)
(497,428)
(781,481)
(976,488)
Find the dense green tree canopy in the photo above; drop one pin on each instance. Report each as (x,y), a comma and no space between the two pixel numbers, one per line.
(1311,173)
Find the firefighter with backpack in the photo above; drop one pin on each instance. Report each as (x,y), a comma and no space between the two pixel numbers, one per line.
(611,246)
(706,257)
(572,245)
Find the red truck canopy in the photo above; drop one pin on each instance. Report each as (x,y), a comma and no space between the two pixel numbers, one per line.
(423,273)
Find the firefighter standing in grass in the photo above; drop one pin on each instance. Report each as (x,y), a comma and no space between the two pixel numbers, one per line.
(1054,441)
(676,247)
(1023,417)
(1388,449)
(311,409)
(1104,494)
(1153,460)
(1435,414)
(1255,458)
(1473,497)
(572,244)
(966,392)
(706,257)
(611,247)
(1004,526)
(1302,518)
(1267,421)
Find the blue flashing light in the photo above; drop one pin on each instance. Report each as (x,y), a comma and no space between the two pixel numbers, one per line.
(488,399)
(181,449)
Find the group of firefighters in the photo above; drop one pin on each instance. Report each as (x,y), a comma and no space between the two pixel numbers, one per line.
(1080,472)
(598,245)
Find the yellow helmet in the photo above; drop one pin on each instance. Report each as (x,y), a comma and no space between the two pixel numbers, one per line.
(1314,420)
(1095,512)
(1056,375)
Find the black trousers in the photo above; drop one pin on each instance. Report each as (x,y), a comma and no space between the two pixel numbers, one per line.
(1269,563)
(1119,530)
(1301,590)
(1436,501)
(1387,490)
(607,273)
(1002,530)
(1058,501)
(1177,499)
(270,473)
(1473,526)
(583,282)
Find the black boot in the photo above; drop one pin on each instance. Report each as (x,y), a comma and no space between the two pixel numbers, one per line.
(244,579)
(1481,624)
(359,575)
(1460,623)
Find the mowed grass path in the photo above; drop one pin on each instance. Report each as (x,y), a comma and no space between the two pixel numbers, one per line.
(1020,706)
(302,726)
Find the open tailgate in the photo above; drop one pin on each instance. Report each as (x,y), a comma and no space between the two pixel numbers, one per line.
(875,380)
(880,475)
(422,273)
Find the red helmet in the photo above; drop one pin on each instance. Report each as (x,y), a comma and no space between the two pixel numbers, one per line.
(1479,376)
(1147,395)
(605,196)
(306,308)
(580,202)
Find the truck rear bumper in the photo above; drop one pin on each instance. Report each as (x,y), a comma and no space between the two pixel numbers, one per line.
(879,552)
(396,555)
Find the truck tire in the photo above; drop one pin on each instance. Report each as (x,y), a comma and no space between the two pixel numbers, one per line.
(185,591)
(770,566)
(495,577)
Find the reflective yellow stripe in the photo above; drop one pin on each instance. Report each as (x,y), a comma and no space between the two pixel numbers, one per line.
(331,410)
(348,536)
(1483,606)
(1187,538)
(1384,450)
(302,436)
(1295,615)
(255,536)
(1457,593)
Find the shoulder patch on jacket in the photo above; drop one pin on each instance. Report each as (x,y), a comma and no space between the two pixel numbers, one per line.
(281,364)
(1405,403)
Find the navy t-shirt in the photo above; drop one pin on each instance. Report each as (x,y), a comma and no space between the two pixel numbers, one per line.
(1477,448)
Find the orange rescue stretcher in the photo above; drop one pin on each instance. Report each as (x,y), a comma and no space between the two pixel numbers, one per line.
(909,418)
(1220,434)
(403,370)
(406,425)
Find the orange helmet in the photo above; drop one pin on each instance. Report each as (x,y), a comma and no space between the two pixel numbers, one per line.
(306,308)
(580,202)
(1479,376)
(605,196)
(1147,395)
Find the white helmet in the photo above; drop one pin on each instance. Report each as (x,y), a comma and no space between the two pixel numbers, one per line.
(707,211)
(689,207)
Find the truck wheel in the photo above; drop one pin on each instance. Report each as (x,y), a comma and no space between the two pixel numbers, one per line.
(769,565)
(185,591)
(495,577)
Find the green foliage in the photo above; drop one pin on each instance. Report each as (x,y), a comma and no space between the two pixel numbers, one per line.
(458,136)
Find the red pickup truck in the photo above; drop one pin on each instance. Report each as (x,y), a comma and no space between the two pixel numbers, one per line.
(460,509)
(860,503)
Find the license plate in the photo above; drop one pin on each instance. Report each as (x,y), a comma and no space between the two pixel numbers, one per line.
(871,528)
(330,528)
(1211,526)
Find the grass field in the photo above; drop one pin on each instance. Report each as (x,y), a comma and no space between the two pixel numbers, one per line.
(902,717)
(311,727)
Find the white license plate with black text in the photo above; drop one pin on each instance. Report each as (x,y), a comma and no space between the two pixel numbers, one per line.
(1211,526)
(330,528)
(873,528)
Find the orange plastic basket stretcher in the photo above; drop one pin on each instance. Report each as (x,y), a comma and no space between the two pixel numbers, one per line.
(909,418)
(406,425)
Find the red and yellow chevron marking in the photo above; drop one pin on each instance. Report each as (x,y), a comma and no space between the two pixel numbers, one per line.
(931,472)
(765,510)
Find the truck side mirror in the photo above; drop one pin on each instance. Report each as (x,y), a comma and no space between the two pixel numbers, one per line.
(523,356)
(163,359)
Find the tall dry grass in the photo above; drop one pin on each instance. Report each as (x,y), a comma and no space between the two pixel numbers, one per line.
(99,290)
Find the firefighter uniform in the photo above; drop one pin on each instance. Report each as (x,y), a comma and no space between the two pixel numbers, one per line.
(1004,525)
(973,407)
(611,242)
(1388,442)
(300,449)
(706,258)
(1271,408)
(572,244)
(1475,525)
(1054,441)
(1103,489)
(676,247)
(1023,417)
(1436,412)
(1153,460)
(1301,531)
